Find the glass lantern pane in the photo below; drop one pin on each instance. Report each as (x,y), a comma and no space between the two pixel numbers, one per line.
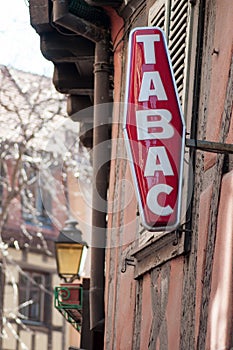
(69,257)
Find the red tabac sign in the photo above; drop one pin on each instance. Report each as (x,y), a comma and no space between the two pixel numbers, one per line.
(154,129)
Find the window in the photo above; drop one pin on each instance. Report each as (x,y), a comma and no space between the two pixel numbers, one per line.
(36,200)
(32,297)
(175,18)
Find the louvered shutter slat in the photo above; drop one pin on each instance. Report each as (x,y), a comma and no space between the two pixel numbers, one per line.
(179,69)
(179,82)
(172,16)
(178,58)
(174,31)
(178,5)
(180,19)
(176,44)
(177,40)
(158,19)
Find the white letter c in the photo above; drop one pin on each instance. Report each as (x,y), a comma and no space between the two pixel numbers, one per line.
(152,200)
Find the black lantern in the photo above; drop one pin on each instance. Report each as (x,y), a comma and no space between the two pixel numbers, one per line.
(70,249)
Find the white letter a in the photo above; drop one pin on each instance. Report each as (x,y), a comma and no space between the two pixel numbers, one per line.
(148,79)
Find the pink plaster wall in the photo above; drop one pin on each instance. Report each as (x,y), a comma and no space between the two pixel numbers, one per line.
(221,298)
(173,312)
(223,44)
(202,240)
(147,315)
(123,331)
(120,288)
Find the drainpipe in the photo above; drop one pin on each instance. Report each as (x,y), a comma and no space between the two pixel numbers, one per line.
(101,153)
(101,156)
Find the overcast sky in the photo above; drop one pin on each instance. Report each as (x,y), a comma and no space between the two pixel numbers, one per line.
(19,42)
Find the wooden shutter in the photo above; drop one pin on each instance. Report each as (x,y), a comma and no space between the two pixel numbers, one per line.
(177,43)
(172,17)
(158,15)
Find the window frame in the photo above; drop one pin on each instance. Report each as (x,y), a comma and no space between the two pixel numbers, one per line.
(155,248)
(25,294)
(41,217)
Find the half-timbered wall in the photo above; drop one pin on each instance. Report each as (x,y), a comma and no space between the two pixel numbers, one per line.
(178,299)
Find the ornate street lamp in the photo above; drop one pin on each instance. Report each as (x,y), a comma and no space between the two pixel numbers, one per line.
(70,251)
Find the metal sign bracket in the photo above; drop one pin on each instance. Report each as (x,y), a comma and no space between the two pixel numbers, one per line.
(209,146)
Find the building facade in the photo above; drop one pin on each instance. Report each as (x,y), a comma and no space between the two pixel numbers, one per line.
(152,290)
(33,209)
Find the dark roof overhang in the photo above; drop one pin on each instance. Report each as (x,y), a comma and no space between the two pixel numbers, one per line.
(72,56)
(113,3)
